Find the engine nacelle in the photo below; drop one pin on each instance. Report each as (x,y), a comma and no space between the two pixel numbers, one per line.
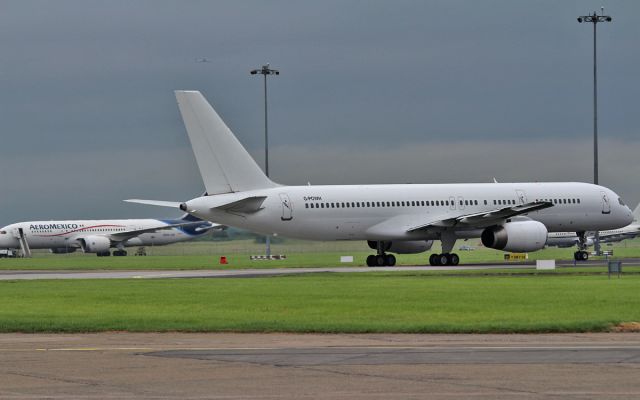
(95,244)
(517,236)
(403,246)
(63,250)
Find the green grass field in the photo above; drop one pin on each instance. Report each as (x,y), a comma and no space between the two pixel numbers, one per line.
(206,255)
(372,302)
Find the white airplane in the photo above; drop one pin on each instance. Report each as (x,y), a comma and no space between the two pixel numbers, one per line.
(391,218)
(98,236)
(570,239)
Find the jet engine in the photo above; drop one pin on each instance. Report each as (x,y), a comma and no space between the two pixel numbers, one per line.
(518,236)
(63,250)
(403,246)
(95,244)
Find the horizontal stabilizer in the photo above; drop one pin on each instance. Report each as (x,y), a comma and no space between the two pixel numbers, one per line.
(160,203)
(244,206)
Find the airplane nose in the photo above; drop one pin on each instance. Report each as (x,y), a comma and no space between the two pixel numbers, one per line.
(6,240)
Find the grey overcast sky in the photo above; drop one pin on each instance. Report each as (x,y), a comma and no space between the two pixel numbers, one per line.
(369,92)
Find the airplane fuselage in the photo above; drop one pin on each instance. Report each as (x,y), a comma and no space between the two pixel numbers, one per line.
(68,234)
(388,212)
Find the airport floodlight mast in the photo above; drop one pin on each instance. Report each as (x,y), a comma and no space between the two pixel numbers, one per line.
(264,71)
(595,19)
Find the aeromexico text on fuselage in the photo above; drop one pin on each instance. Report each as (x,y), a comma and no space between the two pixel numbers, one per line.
(355,212)
(53,226)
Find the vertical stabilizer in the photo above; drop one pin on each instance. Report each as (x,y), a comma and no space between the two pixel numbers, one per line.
(225,165)
(636,213)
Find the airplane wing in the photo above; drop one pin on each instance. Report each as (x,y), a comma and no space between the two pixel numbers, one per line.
(122,236)
(483,219)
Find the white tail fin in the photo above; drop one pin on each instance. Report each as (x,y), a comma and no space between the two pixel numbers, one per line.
(636,213)
(225,166)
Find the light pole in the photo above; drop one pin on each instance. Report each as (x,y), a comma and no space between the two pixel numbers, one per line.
(595,19)
(264,71)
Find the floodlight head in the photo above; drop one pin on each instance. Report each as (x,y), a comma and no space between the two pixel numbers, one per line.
(579,20)
(253,72)
(608,19)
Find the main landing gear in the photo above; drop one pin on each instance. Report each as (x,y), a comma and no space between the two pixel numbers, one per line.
(448,239)
(119,253)
(381,259)
(444,259)
(581,254)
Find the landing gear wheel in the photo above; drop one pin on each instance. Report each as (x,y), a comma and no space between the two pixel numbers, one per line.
(380,260)
(581,256)
(443,259)
(103,253)
(119,253)
(454,259)
(371,260)
(433,260)
(390,260)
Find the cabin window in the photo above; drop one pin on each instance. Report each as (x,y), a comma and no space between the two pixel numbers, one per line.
(475,202)
(306,205)
(485,202)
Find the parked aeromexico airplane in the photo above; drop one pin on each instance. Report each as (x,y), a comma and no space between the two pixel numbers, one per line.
(570,239)
(98,236)
(391,218)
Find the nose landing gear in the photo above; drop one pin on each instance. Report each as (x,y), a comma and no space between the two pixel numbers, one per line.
(581,254)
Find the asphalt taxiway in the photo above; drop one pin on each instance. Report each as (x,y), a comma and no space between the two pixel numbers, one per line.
(294,366)
(232,273)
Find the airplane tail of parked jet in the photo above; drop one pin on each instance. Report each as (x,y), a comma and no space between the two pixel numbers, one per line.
(225,166)
(636,213)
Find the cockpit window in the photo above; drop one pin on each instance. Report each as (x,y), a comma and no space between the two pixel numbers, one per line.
(621,202)
(3,232)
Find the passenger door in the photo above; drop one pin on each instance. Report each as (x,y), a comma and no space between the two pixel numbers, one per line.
(287,207)
(606,206)
(521,196)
